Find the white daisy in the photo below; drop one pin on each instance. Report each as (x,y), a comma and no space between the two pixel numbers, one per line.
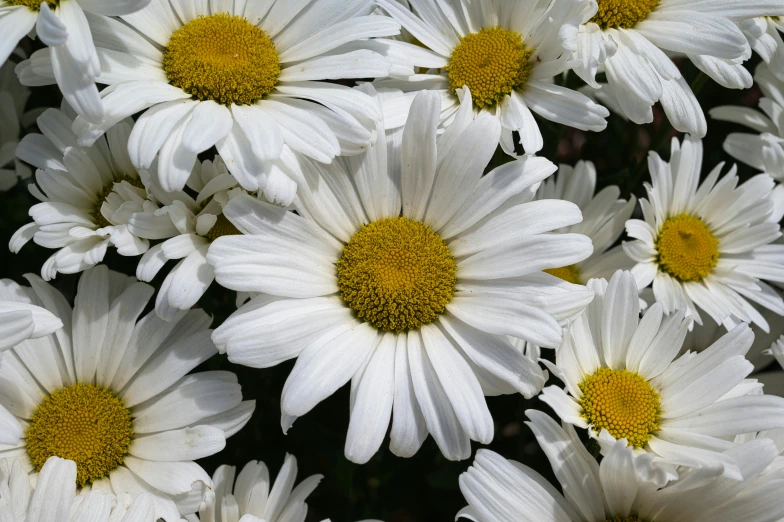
(629,40)
(604,217)
(765,150)
(708,245)
(505,53)
(13,119)
(256,497)
(62,25)
(87,195)
(114,394)
(241,77)
(622,375)
(764,36)
(404,272)
(620,488)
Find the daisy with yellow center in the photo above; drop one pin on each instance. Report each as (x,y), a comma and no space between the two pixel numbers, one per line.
(110,392)
(624,381)
(244,77)
(624,487)
(404,271)
(505,54)
(708,247)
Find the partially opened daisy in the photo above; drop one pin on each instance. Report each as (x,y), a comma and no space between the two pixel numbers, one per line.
(403,273)
(13,120)
(623,488)
(242,77)
(708,245)
(87,195)
(622,374)
(62,25)
(763,150)
(505,53)
(629,40)
(111,391)
(604,217)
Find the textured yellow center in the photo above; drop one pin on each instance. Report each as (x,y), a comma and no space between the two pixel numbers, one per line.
(33,5)
(222,58)
(569,273)
(396,274)
(623,403)
(492,63)
(222,227)
(84,423)
(99,219)
(622,13)
(687,250)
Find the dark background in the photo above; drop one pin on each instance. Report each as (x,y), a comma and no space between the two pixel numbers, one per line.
(423,488)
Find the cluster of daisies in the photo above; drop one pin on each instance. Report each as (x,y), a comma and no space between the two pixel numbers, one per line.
(327,161)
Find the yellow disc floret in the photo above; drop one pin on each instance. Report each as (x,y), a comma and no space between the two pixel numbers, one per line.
(33,5)
(492,63)
(686,248)
(84,423)
(568,273)
(397,274)
(99,219)
(623,403)
(622,13)
(222,227)
(222,58)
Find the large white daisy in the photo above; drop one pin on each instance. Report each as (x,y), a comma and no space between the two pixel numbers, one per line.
(13,120)
(404,272)
(622,375)
(505,53)
(629,40)
(62,25)
(604,217)
(623,488)
(113,394)
(708,245)
(240,76)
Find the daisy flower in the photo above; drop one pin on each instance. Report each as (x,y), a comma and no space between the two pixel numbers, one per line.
(620,489)
(622,375)
(74,62)
(86,194)
(505,53)
(113,394)
(764,36)
(763,150)
(708,245)
(13,98)
(403,272)
(629,41)
(604,217)
(240,77)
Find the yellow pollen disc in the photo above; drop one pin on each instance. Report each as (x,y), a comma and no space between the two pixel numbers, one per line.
(622,13)
(569,273)
(492,63)
(687,250)
(222,227)
(396,274)
(99,219)
(222,58)
(623,403)
(84,423)
(33,5)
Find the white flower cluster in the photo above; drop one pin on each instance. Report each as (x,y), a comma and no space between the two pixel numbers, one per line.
(328,161)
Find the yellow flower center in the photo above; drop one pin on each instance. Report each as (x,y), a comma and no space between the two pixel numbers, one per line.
(222,227)
(99,219)
(84,423)
(623,403)
(492,63)
(222,58)
(569,273)
(622,13)
(687,250)
(33,5)
(396,274)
